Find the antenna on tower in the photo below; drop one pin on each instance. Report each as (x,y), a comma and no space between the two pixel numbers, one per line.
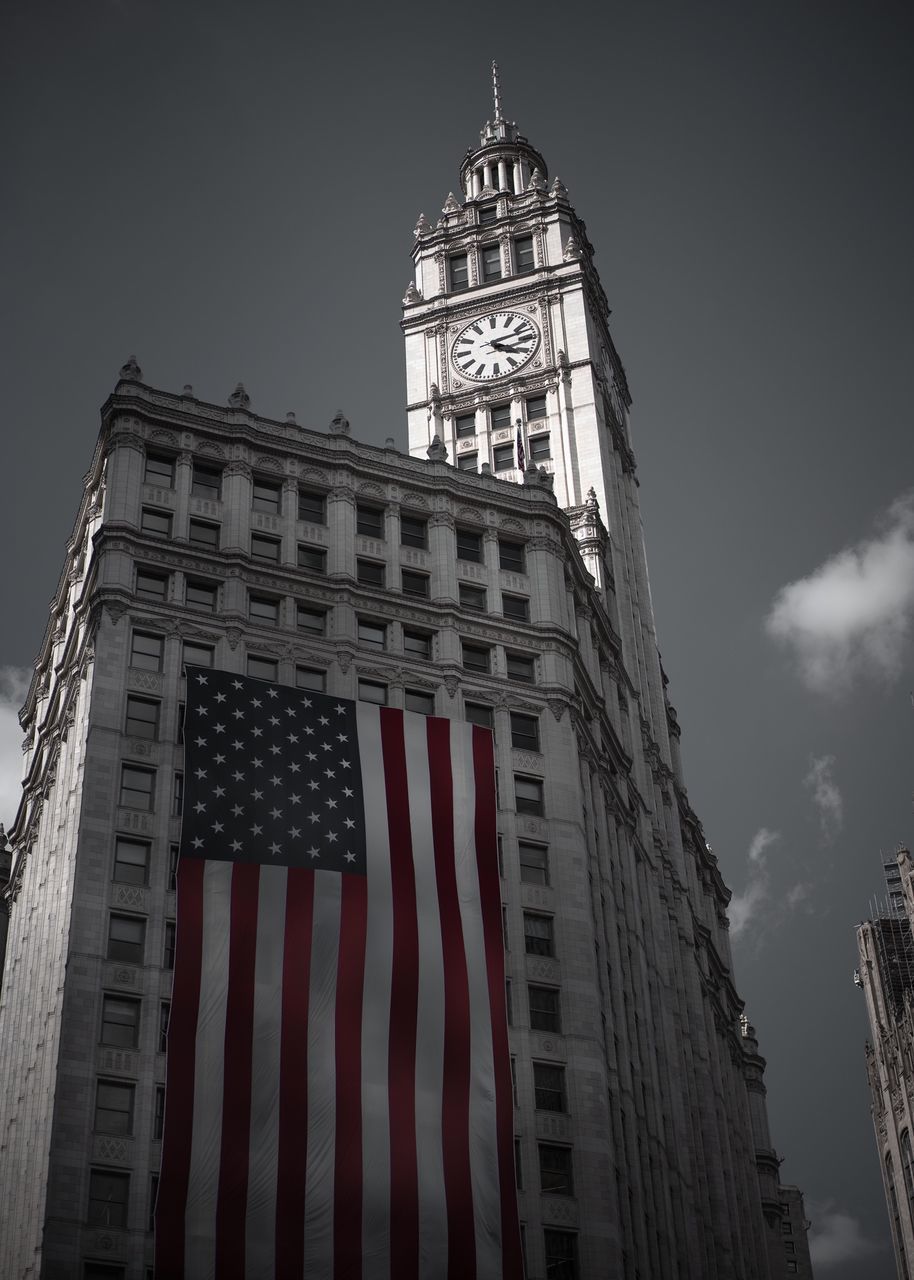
(496,93)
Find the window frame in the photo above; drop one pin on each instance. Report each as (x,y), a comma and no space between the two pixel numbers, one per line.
(364,685)
(525,731)
(131,952)
(533,863)
(468,461)
(145,845)
(421,651)
(143,580)
(459,281)
(469,545)
(305,611)
(487,722)
(128,792)
(102,1217)
(417,535)
(206,595)
(207,650)
(478,651)
(149,725)
(318,686)
(534,803)
(491,258)
(515,663)
(418,579)
(195,524)
(464,425)
(508,562)
(260,542)
(364,629)
(535,446)
(519,608)
(320,504)
(118,1088)
(132,1040)
(419,701)
(559,1088)
(317,555)
(548,1020)
(503,458)
(170,462)
(159,657)
(369,521)
(271,664)
(264,610)
(500,415)
(520,267)
(167,518)
(370,573)
(269,498)
(473,597)
(206,481)
(543,943)
(562,1174)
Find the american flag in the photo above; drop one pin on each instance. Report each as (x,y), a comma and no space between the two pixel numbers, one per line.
(521,456)
(338,1097)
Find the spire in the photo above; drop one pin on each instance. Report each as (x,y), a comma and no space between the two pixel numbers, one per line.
(496,93)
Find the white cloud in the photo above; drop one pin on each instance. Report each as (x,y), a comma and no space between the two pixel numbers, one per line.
(825,795)
(853,615)
(14,685)
(745,907)
(836,1237)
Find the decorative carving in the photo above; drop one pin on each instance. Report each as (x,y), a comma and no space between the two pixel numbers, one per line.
(437,450)
(558,189)
(536,182)
(131,371)
(450,204)
(239,399)
(423,227)
(411,295)
(572,250)
(339,425)
(452,684)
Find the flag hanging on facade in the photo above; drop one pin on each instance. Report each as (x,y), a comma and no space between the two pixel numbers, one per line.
(521,456)
(338,1099)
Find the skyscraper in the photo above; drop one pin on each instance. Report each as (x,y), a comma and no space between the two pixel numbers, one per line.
(497,573)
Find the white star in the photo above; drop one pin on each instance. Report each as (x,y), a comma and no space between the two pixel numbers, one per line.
(199,807)
(331,836)
(199,773)
(276,781)
(256,795)
(235,846)
(219,792)
(218,826)
(219,759)
(274,721)
(349,823)
(255,702)
(200,742)
(201,679)
(237,810)
(272,693)
(219,728)
(342,737)
(311,756)
(198,843)
(275,848)
(326,746)
(314,851)
(345,764)
(294,832)
(313,786)
(258,764)
(314,817)
(275,751)
(340,709)
(292,737)
(237,745)
(275,813)
(330,802)
(220,697)
(322,720)
(294,768)
(348,792)
(236,684)
(294,799)
(329,773)
(238,776)
(309,729)
(290,711)
(255,830)
(350,857)
(256,732)
(202,711)
(238,713)
(306,703)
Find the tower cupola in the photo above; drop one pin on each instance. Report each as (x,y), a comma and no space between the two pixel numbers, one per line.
(504,159)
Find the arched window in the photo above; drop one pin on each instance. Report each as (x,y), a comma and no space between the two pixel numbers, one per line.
(893,1204)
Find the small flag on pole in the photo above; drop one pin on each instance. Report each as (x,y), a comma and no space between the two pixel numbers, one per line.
(521,456)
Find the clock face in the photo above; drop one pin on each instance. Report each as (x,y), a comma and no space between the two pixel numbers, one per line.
(495,345)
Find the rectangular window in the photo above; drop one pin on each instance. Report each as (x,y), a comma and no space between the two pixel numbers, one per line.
(156,523)
(555,1170)
(160,471)
(372,691)
(416,700)
(120,1022)
(561,1254)
(523,254)
(491,262)
(479,713)
(142,720)
(544,1009)
(131,861)
(415,584)
(539,939)
(158,1116)
(264,610)
(789,1246)
(509,1002)
(539,447)
(472,597)
(164,1016)
(488,213)
(137,788)
(786,1227)
(311,620)
(518,1168)
(265,548)
(528,795)
(114,1107)
(201,595)
(458,272)
(536,408)
(197,655)
(177,795)
(153,1194)
(511,556)
(108,1196)
(469,545)
(465,425)
(475,658)
(519,667)
(179,727)
(262,668)
(146,651)
(172,884)
(515,607)
(525,731)
(467,461)
(312,506)
(314,559)
(549,1086)
(792,1268)
(126,938)
(267,496)
(168,955)
(500,416)
(206,482)
(418,644)
(369,573)
(503,457)
(534,862)
(413,532)
(372,634)
(151,585)
(204,534)
(369,521)
(310,678)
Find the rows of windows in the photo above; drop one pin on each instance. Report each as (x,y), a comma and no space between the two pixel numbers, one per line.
(491,266)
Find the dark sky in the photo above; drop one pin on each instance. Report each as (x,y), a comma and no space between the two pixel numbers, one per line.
(229,191)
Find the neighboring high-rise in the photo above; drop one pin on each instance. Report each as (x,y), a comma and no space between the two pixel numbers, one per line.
(512,595)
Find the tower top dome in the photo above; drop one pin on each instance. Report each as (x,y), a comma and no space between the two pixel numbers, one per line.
(504,159)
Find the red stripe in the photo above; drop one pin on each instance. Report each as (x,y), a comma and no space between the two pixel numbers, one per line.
(231,1205)
(455,1109)
(347,1181)
(404,1001)
(490,902)
(292,1158)
(179,1088)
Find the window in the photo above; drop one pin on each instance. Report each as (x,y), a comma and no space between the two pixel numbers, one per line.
(262,668)
(179,727)
(264,610)
(500,416)
(201,595)
(156,523)
(131,861)
(120,1022)
(108,1194)
(528,795)
(313,620)
(158,1115)
(458,272)
(509,1002)
(519,667)
(539,447)
(206,482)
(197,655)
(114,1107)
(561,1254)
(511,556)
(372,634)
(479,713)
(472,597)
(172,884)
(787,1225)
(372,691)
(544,1009)
(164,1016)
(789,1246)
(518,1167)
(467,461)
(539,939)
(491,262)
(525,731)
(142,719)
(137,788)
(413,531)
(416,700)
(126,938)
(160,470)
(503,457)
(369,521)
(549,1086)
(515,607)
(151,585)
(204,534)
(369,573)
(792,1269)
(475,658)
(469,545)
(465,425)
(267,496)
(418,644)
(153,1194)
(488,213)
(523,255)
(312,506)
(415,584)
(310,678)
(536,408)
(177,795)
(103,1271)
(265,548)
(555,1169)
(168,956)
(146,651)
(312,558)
(534,862)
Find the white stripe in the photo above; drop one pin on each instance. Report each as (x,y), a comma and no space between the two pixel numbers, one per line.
(483,1131)
(433,1236)
(325,946)
(260,1226)
(376,1004)
(209,1051)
